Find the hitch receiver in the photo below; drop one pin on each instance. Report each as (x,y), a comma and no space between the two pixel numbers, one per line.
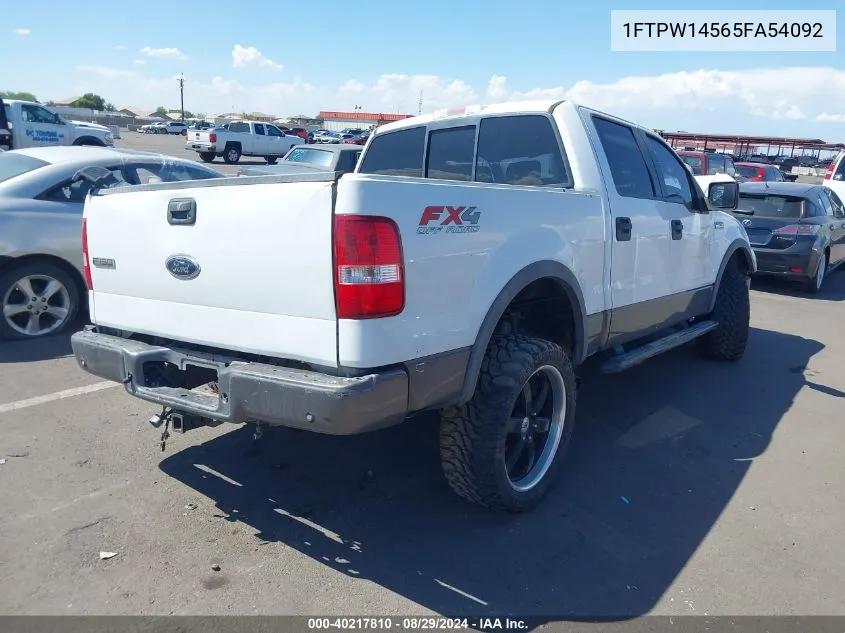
(183,422)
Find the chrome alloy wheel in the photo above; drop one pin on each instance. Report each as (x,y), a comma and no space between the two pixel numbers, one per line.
(535,429)
(36,305)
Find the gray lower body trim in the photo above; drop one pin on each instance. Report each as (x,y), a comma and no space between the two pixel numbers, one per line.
(639,320)
(437,380)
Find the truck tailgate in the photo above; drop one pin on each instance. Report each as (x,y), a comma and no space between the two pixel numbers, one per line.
(252,272)
(200,136)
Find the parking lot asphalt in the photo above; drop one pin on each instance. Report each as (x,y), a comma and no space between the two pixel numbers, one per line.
(174,145)
(690,488)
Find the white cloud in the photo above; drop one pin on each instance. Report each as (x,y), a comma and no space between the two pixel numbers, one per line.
(119,47)
(139,62)
(23,32)
(168,53)
(497,87)
(246,56)
(774,101)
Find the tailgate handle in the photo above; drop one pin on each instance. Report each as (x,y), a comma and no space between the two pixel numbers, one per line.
(182,211)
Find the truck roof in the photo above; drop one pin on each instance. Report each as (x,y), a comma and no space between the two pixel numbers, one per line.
(536,106)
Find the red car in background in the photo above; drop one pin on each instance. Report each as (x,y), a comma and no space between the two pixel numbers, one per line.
(357,140)
(708,163)
(759,172)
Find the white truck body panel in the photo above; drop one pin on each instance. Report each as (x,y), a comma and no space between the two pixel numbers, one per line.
(836,182)
(452,280)
(264,288)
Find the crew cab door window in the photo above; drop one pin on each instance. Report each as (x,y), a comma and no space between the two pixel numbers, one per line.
(273,131)
(520,150)
(238,127)
(37,114)
(627,164)
(259,129)
(397,153)
(672,173)
(450,153)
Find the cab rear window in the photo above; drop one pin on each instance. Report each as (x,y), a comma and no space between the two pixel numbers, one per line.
(397,153)
(13,165)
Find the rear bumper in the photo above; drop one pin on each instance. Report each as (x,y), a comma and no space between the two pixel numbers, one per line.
(202,147)
(249,391)
(799,261)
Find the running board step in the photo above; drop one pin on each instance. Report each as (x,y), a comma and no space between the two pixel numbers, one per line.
(626,360)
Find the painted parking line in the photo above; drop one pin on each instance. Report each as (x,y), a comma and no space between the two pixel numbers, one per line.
(57,395)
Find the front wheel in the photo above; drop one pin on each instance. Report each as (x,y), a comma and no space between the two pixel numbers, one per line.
(733,314)
(501,449)
(37,299)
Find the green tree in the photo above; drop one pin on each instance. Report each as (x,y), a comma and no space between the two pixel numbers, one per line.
(161,111)
(23,96)
(91,101)
(110,107)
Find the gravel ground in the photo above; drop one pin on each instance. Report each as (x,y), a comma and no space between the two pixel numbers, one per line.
(690,488)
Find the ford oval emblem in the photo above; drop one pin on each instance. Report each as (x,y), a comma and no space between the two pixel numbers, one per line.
(182,267)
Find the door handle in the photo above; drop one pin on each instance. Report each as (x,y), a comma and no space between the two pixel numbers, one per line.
(677,229)
(182,211)
(623,229)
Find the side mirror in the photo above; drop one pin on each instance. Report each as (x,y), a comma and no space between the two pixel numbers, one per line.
(723,195)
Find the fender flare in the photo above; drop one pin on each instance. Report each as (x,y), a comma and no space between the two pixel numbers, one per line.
(89,140)
(531,273)
(736,245)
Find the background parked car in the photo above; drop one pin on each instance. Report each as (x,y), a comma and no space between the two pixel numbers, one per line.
(759,172)
(708,163)
(42,193)
(797,230)
(339,158)
(834,176)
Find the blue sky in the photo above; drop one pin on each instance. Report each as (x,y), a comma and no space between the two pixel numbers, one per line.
(261,57)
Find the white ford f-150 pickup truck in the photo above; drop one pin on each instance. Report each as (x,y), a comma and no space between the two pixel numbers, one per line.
(241,138)
(469,265)
(25,124)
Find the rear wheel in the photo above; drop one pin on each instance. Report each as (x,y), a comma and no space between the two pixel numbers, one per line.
(207,157)
(231,155)
(733,314)
(501,449)
(815,283)
(37,299)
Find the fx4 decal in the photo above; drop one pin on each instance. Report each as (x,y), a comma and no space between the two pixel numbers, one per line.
(446,219)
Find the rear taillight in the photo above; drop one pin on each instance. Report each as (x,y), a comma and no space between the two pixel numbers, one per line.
(86,266)
(797,229)
(828,175)
(369,267)
(212,137)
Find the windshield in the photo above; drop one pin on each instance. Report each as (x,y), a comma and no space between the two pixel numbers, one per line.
(747,172)
(318,157)
(695,164)
(13,165)
(770,206)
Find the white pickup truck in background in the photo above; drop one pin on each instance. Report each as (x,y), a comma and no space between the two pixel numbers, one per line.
(241,138)
(30,124)
(469,265)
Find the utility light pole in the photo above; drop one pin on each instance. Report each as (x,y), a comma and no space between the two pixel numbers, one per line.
(181,80)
